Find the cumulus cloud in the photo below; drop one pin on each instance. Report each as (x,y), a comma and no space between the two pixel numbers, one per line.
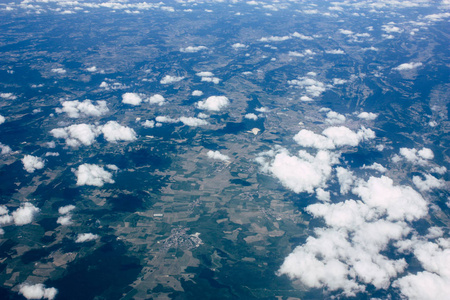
(429,183)
(197,93)
(168,79)
(32,163)
(302,36)
(66,217)
(312,87)
(149,124)
(193,122)
(345,179)
(193,49)
(214,103)
(165,119)
(348,254)
(59,71)
(114,132)
(251,116)
(2,119)
(408,66)
(375,166)
(335,118)
(77,134)
(8,96)
(25,214)
(156,99)
(333,137)
(86,237)
(94,175)
(5,149)
(238,46)
(420,157)
(66,209)
(367,116)
(131,98)
(217,155)
(37,291)
(335,51)
(301,173)
(275,38)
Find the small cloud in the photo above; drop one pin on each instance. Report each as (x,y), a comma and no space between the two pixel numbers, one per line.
(217,155)
(8,96)
(408,66)
(171,79)
(429,183)
(214,103)
(92,69)
(367,116)
(37,291)
(335,51)
(114,132)
(25,214)
(193,49)
(197,93)
(251,116)
(275,38)
(86,237)
(77,134)
(376,167)
(2,119)
(5,149)
(59,71)
(157,99)
(193,122)
(32,163)
(238,46)
(94,175)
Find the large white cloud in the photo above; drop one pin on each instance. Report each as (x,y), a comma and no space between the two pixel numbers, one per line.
(25,214)
(333,137)
(37,291)
(214,103)
(77,109)
(114,132)
(95,175)
(131,98)
(302,173)
(32,163)
(77,134)
(420,157)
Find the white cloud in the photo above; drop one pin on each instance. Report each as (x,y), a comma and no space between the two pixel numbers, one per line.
(131,98)
(335,51)
(335,118)
(415,156)
(149,124)
(157,99)
(77,134)
(302,36)
(168,79)
(197,93)
(59,71)
(408,66)
(86,237)
(345,179)
(114,132)
(367,116)
(307,138)
(391,29)
(32,163)
(193,122)
(37,291)
(214,103)
(165,119)
(66,209)
(92,69)
(25,214)
(77,109)
(2,119)
(251,116)
(205,74)
(193,49)
(65,220)
(5,149)
(238,46)
(312,87)
(302,173)
(375,166)
(8,96)
(346,32)
(89,174)
(275,38)
(429,183)
(217,155)
(322,195)
(338,81)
